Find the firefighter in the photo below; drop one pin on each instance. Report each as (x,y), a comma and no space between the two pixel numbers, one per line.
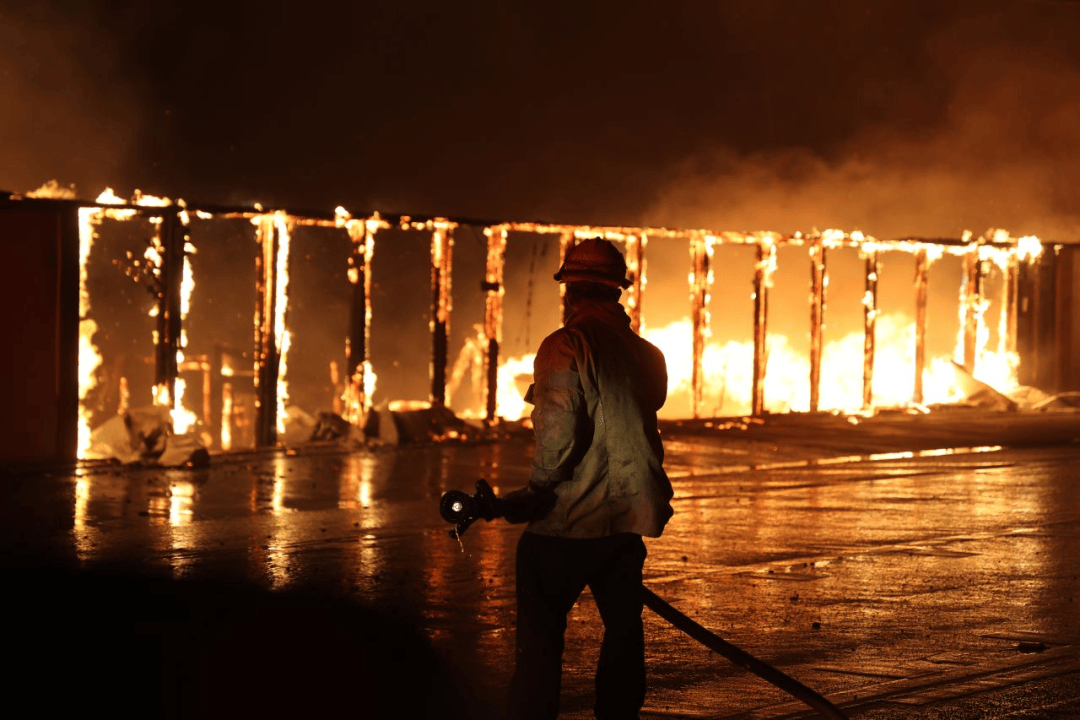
(597,485)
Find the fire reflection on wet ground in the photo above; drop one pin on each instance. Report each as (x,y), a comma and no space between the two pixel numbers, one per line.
(848,575)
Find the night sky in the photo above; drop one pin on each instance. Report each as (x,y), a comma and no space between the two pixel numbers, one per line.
(897,117)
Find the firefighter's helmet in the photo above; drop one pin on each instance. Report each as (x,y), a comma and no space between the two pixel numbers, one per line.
(594,260)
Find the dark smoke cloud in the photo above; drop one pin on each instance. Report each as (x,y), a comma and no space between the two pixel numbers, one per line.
(66,110)
(896,116)
(1006,152)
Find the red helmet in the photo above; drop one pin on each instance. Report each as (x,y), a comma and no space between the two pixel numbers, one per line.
(594,260)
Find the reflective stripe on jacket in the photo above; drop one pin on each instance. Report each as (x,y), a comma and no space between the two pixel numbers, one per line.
(597,388)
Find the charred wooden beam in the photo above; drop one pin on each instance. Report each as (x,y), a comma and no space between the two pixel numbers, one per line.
(766,263)
(362,234)
(160,284)
(870,327)
(1046,341)
(1010,298)
(971,299)
(700,252)
(442,245)
(566,241)
(635,265)
(1064,315)
(216,416)
(922,268)
(172,237)
(267,358)
(1027,347)
(493,316)
(356,342)
(67,390)
(817,318)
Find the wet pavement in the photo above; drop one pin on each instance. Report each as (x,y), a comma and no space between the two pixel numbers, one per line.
(898,584)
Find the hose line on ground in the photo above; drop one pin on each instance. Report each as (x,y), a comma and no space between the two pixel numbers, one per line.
(462,510)
(740,657)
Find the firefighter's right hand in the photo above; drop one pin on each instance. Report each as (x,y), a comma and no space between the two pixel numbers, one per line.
(488,506)
(526,504)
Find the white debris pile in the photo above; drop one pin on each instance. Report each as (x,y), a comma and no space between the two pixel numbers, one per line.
(144,435)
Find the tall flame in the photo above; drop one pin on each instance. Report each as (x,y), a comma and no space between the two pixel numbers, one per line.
(89,357)
(154,255)
(727,368)
(226,414)
(281,302)
(182,417)
(510,402)
(361,386)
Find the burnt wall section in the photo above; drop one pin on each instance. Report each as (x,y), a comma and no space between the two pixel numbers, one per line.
(467,348)
(124,304)
(1048,321)
(320,296)
(1070,326)
(401,315)
(531,306)
(39,291)
(219,361)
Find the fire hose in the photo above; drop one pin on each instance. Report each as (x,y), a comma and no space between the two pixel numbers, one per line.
(462,510)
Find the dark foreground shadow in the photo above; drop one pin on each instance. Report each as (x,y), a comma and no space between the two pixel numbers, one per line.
(154,648)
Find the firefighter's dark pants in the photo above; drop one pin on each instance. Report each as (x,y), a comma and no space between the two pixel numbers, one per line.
(551,573)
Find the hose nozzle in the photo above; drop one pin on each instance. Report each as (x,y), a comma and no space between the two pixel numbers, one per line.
(463,510)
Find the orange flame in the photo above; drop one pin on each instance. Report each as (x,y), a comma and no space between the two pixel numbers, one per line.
(727,368)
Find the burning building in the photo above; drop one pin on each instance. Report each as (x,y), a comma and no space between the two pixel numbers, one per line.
(238,326)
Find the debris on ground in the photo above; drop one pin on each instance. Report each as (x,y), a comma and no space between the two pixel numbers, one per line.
(144,435)
(386,426)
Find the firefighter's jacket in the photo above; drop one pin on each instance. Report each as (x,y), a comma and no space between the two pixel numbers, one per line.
(597,388)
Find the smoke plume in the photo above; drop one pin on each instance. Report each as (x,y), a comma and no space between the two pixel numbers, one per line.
(1006,156)
(68,113)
